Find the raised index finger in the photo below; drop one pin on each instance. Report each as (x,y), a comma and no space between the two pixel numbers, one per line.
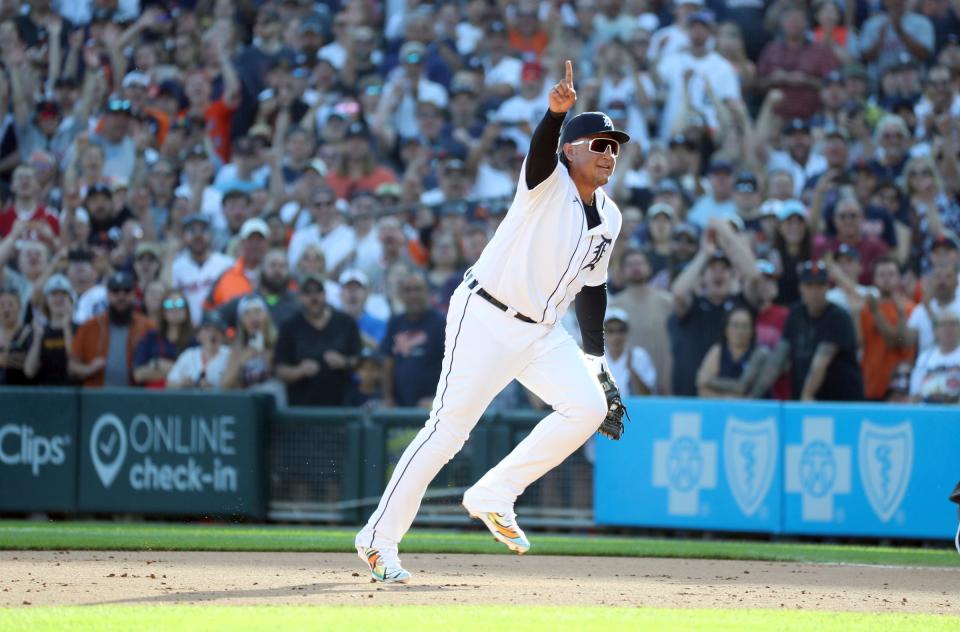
(569,78)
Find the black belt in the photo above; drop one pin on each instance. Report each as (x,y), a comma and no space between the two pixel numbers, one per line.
(482,293)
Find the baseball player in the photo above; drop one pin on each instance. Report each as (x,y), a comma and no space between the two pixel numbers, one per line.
(503,323)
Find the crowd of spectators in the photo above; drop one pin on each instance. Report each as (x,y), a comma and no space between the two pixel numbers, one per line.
(282,195)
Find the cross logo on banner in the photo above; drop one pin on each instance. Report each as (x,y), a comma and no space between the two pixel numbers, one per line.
(817,469)
(684,464)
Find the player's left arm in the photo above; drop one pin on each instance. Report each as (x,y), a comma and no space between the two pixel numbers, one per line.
(822,357)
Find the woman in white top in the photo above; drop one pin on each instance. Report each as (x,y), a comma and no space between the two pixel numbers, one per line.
(936,376)
(632,368)
(202,366)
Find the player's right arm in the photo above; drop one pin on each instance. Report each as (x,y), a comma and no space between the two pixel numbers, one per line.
(542,155)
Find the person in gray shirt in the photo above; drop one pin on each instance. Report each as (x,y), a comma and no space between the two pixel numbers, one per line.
(889,37)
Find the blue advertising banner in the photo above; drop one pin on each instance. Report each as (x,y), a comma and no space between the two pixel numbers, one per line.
(686,463)
(870,470)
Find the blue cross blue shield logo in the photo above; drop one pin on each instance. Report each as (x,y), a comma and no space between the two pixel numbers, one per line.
(749,459)
(885,456)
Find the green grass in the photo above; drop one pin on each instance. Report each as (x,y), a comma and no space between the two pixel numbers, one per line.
(456,618)
(18,535)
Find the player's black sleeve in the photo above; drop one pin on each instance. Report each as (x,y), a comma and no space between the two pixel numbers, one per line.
(591,305)
(542,156)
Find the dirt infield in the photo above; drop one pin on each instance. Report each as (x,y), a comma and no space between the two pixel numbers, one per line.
(141,578)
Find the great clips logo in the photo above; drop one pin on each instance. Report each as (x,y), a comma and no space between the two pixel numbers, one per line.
(169,453)
(21,445)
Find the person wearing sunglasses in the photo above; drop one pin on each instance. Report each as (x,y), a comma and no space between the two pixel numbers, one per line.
(503,323)
(159,349)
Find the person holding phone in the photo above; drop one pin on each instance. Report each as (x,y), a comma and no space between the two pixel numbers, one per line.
(252,353)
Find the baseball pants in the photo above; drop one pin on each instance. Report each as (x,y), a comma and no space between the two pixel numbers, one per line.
(484,350)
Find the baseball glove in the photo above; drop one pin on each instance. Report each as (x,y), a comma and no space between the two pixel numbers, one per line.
(612,426)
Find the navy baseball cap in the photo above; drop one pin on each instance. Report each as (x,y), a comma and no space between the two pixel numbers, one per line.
(813,272)
(588,124)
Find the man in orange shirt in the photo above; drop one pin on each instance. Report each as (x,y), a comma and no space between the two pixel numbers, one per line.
(241,278)
(101,353)
(883,324)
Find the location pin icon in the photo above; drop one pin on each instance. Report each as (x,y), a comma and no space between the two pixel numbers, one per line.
(108,447)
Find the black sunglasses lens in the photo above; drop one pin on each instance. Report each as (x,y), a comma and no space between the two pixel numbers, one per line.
(600,145)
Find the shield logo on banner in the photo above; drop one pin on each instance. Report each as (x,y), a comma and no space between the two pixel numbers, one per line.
(885,456)
(749,459)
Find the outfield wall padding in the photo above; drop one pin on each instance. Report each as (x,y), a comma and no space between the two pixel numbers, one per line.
(869,470)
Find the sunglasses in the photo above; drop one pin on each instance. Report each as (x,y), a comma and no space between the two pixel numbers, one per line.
(600,145)
(174,303)
(616,330)
(921,172)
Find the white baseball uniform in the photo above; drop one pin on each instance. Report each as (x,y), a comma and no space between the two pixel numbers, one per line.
(542,254)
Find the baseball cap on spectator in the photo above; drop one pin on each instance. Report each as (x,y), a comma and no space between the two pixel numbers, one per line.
(789,208)
(771,208)
(315,164)
(311,278)
(943,241)
(120,280)
(354,276)
(660,208)
(767,268)
(531,71)
(196,151)
(497,27)
(736,222)
(81,215)
(686,229)
(311,26)
(680,140)
(846,250)
(718,255)
(719,165)
(835,131)
(80,255)
(260,130)
(616,313)
(254,226)
(461,87)
(213,319)
(57,283)
(136,78)
(147,248)
(101,14)
(234,194)
(412,52)
(746,182)
(796,125)
(196,218)
(454,164)
(702,17)
(47,108)
(250,301)
(99,189)
(813,272)
(389,189)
